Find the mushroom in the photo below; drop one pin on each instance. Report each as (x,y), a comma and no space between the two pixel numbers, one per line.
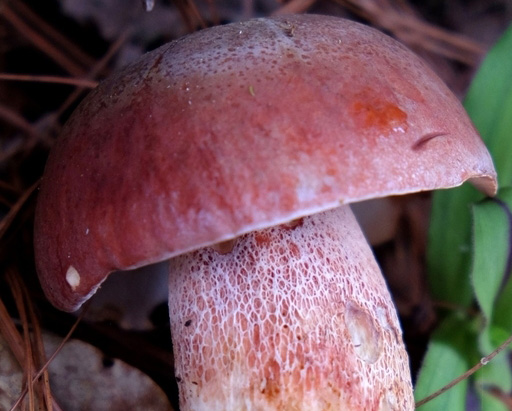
(234,153)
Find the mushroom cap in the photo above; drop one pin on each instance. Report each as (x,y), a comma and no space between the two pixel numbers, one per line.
(237,128)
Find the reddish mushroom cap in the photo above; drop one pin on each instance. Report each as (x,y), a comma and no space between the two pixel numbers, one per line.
(241,127)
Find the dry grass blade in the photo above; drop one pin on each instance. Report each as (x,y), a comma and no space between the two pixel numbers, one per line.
(34,347)
(40,355)
(14,119)
(80,82)
(28,364)
(13,212)
(50,359)
(10,333)
(19,345)
(41,42)
(33,344)
(53,35)
(406,26)
(295,6)
(190,15)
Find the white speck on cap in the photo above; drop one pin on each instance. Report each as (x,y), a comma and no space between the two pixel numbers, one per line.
(73,277)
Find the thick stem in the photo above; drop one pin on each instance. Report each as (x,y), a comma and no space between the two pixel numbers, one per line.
(293,318)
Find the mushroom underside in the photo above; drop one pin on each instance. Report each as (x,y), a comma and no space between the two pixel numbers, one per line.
(295,317)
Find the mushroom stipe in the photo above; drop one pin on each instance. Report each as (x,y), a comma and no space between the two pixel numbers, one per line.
(288,318)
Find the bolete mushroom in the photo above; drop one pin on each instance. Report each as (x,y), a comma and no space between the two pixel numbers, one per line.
(263,132)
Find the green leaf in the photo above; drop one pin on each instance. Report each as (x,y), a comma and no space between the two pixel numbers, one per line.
(491,233)
(491,270)
(449,355)
(503,313)
(491,244)
(489,104)
(449,249)
(502,319)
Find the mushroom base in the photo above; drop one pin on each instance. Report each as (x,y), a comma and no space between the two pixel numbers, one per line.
(293,318)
